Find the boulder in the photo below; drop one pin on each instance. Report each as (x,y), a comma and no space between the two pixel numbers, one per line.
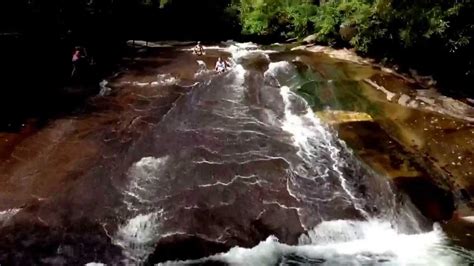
(347,31)
(310,39)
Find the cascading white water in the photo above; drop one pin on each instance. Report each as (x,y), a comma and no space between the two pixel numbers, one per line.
(232,169)
(309,135)
(312,137)
(138,234)
(377,240)
(348,243)
(339,242)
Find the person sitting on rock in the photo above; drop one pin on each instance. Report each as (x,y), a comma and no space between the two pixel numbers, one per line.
(198,49)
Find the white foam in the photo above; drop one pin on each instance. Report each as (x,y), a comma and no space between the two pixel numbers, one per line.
(148,168)
(358,238)
(239,71)
(282,71)
(308,133)
(202,70)
(142,174)
(138,235)
(104,90)
(265,253)
(242,50)
(6,215)
(202,65)
(205,47)
(350,243)
(236,92)
(161,80)
(141,84)
(165,80)
(232,181)
(294,124)
(338,231)
(232,46)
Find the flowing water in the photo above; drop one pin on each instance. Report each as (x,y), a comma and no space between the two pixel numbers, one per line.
(193,167)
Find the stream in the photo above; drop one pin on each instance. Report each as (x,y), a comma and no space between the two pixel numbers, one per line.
(285,159)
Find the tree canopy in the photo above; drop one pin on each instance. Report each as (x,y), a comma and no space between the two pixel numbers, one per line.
(435,36)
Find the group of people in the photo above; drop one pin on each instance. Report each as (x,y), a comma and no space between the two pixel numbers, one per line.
(80,60)
(221,64)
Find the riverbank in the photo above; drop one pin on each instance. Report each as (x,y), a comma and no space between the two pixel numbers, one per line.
(404,129)
(411,76)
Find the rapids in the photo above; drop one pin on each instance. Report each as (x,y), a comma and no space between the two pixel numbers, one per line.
(231,168)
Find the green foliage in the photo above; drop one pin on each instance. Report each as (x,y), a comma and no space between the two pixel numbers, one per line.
(163,3)
(334,14)
(402,21)
(287,18)
(413,31)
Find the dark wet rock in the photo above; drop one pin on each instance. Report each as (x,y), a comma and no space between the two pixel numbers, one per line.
(433,201)
(26,244)
(254,61)
(376,147)
(185,247)
(272,221)
(460,231)
(285,224)
(388,157)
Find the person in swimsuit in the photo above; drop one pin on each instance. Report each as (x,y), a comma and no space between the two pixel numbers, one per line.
(221,65)
(198,49)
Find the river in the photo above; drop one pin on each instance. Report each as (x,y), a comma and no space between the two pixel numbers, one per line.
(175,164)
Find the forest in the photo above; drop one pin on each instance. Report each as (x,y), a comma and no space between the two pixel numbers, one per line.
(37,36)
(432,36)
